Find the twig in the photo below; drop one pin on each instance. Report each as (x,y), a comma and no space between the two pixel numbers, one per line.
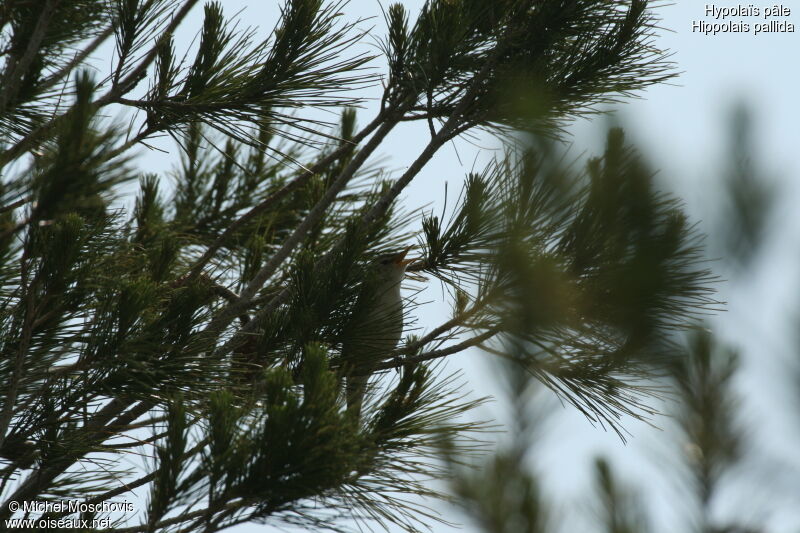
(14,205)
(438,354)
(450,324)
(78,59)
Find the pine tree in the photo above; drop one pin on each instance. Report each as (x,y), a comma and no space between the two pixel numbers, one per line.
(190,349)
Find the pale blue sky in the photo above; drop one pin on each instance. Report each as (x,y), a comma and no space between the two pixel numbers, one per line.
(680,128)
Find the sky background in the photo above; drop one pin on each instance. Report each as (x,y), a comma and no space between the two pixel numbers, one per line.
(682,128)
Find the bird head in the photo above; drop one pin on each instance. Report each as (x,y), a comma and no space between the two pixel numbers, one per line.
(391,267)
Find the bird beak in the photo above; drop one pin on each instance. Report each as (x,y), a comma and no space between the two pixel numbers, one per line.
(400,259)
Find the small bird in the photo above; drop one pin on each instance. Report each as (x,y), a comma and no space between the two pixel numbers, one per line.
(376,324)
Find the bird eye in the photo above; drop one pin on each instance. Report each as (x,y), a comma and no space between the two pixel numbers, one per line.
(385,262)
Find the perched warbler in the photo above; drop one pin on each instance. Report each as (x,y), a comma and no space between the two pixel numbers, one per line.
(376,324)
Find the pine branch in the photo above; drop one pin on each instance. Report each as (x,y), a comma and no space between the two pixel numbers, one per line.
(318,211)
(33,138)
(379,209)
(15,71)
(281,193)
(225,316)
(445,133)
(129,486)
(96,430)
(129,81)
